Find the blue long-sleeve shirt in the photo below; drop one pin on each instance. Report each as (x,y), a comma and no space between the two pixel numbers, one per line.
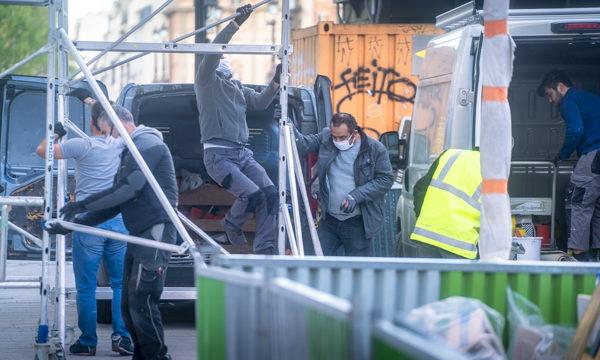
(581,112)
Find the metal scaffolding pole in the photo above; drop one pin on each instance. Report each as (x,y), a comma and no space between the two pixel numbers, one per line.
(293,189)
(42,346)
(61,186)
(283,97)
(308,213)
(187,240)
(175,40)
(30,57)
(126,35)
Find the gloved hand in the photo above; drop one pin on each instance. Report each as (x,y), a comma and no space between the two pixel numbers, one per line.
(80,93)
(277,75)
(55,228)
(349,204)
(59,130)
(556,160)
(244,13)
(69,211)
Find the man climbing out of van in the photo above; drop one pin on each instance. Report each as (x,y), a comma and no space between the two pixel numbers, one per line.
(580,111)
(222,103)
(447,207)
(354,173)
(145,267)
(96,163)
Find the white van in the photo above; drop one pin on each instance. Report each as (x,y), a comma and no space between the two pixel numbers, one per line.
(447,106)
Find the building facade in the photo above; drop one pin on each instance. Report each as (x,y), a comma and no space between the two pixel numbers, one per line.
(263,27)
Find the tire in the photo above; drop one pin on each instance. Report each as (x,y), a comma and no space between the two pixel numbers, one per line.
(104,310)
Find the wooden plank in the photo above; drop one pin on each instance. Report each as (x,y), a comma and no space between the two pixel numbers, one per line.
(206,195)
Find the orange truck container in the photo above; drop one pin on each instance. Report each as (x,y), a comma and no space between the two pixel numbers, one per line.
(370,66)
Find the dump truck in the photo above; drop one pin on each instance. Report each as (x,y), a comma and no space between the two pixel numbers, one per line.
(448,101)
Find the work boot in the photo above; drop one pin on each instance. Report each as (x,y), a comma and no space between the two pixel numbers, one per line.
(233,234)
(122,345)
(78,349)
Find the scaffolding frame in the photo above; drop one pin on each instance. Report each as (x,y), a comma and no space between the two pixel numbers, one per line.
(50,342)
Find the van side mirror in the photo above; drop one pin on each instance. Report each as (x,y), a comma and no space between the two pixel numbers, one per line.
(391,142)
(403,142)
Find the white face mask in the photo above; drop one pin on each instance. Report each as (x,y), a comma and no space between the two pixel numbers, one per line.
(344,144)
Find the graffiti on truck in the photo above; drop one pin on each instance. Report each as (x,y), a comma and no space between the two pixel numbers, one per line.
(376,81)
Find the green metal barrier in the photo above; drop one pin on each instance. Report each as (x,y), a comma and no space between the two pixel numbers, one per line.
(555,294)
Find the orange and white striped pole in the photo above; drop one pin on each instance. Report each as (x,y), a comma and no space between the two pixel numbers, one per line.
(496,69)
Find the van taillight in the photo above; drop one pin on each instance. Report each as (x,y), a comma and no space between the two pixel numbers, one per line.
(575,27)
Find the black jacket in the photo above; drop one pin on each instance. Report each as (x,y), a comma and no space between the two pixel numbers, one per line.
(131,193)
(372,173)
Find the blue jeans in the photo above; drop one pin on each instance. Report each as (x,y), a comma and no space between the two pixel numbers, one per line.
(88,250)
(348,235)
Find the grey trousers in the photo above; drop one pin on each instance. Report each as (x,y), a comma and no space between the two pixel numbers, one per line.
(238,172)
(434,252)
(585,205)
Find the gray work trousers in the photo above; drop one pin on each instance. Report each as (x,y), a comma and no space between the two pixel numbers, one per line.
(236,170)
(585,205)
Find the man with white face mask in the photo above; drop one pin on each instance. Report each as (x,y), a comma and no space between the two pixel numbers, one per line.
(354,173)
(222,104)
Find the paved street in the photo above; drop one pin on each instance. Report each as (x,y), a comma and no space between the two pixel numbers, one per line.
(19,314)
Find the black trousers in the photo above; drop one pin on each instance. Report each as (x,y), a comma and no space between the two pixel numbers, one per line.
(144,279)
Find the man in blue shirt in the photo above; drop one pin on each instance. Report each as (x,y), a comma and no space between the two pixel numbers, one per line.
(581,112)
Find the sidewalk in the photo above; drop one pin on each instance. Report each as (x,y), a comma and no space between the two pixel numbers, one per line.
(19,314)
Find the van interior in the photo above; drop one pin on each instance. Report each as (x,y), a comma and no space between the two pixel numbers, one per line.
(537,127)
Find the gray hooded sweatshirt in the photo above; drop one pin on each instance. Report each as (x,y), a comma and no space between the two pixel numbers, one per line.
(222,101)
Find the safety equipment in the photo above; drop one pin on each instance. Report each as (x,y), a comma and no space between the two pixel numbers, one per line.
(69,211)
(55,228)
(59,130)
(224,68)
(349,204)
(343,145)
(244,13)
(449,218)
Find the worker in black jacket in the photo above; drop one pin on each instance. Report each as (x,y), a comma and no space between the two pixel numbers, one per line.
(131,195)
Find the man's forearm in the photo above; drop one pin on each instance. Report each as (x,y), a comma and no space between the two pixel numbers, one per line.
(208,64)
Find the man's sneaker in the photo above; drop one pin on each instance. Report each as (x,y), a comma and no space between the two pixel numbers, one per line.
(122,345)
(222,239)
(83,350)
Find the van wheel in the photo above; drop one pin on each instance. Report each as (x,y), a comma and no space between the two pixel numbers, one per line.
(104,310)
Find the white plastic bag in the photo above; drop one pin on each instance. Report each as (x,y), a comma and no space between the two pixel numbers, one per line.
(465,324)
(530,337)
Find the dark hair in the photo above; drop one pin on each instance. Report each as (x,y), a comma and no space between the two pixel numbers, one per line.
(97,111)
(123,114)
(344,118)
(551,81)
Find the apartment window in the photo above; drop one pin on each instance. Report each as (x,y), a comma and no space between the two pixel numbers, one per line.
(145,12)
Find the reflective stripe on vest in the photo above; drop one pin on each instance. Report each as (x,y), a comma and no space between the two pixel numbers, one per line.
(456,232)
(445,239)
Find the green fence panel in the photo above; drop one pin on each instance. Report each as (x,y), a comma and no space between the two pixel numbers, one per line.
(555,294)
(210,319)
(383,351)
(328,337)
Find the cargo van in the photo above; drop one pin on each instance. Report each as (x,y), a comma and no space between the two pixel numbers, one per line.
(448,102)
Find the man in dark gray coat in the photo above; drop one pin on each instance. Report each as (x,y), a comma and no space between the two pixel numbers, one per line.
(131,195)
(354,173)
(222,104)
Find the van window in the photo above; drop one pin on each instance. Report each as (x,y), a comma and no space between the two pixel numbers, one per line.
(429,120)
(26,128)
(431,105)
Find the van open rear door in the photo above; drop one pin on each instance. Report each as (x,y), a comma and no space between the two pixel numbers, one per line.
(23,115)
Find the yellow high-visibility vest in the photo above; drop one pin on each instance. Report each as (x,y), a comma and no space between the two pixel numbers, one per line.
(449,218)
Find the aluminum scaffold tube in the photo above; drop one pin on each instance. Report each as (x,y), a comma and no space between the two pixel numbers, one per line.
(61,180)
(125,35)
(42,346)
(175,40)
(188,242)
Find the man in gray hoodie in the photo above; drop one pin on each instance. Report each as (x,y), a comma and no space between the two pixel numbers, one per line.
(222,104)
